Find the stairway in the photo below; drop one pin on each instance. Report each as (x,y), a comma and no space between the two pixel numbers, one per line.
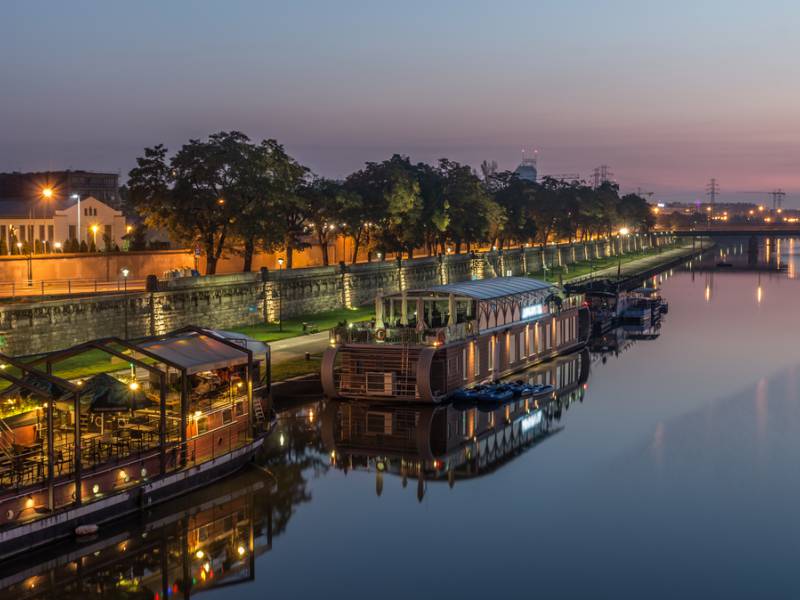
(7,440)
(258,410)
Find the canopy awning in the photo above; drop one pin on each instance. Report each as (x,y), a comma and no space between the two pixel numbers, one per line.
(196,352)
(108,394)
(486,289)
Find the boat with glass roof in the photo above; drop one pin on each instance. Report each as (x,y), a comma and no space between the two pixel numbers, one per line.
(424,344)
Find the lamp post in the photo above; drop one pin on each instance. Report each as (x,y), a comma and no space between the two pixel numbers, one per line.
(94,235)
(78,198)
(30,264)
(125,272)
(280,294)
(622,231)
(57,246)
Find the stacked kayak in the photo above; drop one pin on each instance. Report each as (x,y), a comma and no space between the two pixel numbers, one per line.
(500,393)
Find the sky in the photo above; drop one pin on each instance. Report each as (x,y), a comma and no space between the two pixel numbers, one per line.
(668,94)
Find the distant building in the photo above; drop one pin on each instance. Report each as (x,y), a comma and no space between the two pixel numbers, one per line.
(53,222)
(527,170)
(29,186)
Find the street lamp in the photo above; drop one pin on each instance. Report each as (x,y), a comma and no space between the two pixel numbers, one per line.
(78,198)
(94,229)
(125,272)
(280,295)
(30,264)
(622,231)
(57,246)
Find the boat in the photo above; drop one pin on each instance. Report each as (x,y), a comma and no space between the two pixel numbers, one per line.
(644,306)
(427,343)
(174,413)
(496,394)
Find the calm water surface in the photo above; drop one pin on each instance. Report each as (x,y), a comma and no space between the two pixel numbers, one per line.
(666,470)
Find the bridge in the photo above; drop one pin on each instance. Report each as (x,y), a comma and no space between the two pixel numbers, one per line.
(744,230)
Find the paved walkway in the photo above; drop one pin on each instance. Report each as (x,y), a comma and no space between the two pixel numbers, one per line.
(640,265)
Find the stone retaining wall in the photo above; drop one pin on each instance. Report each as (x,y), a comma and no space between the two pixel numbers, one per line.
(225,301)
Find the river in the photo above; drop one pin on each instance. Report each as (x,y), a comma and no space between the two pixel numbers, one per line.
(664,469)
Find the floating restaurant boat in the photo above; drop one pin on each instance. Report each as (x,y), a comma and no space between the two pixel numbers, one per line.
(181,410)
(427,343)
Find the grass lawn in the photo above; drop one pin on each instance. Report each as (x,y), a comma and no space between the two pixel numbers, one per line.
(295,368)
(269,332)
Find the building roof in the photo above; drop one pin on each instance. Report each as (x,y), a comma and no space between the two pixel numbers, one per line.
(24,208)
(196,352)
(486,289)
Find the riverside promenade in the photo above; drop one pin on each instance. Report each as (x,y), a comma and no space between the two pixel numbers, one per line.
(643,267)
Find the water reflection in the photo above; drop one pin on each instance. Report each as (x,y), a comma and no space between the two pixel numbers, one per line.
(204,541)
(447,443)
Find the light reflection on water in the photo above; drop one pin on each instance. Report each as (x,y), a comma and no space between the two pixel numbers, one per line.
(665,469)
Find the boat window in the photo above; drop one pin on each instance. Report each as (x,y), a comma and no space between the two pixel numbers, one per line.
(227,416)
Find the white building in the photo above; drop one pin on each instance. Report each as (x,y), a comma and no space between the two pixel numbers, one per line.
(54,222)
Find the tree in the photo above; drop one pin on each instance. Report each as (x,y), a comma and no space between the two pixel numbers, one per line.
(390,195)
(516,197)
(326,201)
(266,182)
(546,211)
(466,202)
(187,195)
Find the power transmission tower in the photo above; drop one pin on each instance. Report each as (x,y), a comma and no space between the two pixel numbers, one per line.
(777,198)
(712,191)
(601,175)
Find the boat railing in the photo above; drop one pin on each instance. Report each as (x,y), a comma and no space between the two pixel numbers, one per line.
(432,336)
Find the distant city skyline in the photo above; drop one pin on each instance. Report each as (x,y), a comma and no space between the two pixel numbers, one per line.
(667,95)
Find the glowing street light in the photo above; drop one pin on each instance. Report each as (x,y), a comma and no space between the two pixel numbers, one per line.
(94,229)
(47,193)
(280,294)
(125,272)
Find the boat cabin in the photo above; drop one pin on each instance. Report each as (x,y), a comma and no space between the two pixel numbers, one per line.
(80,425)
(426,343)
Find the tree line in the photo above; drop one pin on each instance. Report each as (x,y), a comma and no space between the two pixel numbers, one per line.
(229,193)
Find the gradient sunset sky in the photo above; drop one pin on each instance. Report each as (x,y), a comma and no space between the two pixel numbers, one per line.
(668,94)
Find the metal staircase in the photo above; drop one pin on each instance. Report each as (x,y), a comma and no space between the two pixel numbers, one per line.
(258,411)
(7,440)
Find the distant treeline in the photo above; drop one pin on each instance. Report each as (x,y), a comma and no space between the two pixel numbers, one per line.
(228,192)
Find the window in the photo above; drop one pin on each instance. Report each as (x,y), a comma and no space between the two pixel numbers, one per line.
(50,235)
(464,366)
(532,340)
(73,232)
(41,232)
(521,345)
(512,348)
(491,354)
(227,416)
(202,425)
(22,234)
(107,233)
(477,359)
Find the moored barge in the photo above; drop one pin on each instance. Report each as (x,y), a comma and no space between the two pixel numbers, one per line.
(179,411)
(425,344)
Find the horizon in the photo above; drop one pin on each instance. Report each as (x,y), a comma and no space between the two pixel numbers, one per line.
(668,97)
